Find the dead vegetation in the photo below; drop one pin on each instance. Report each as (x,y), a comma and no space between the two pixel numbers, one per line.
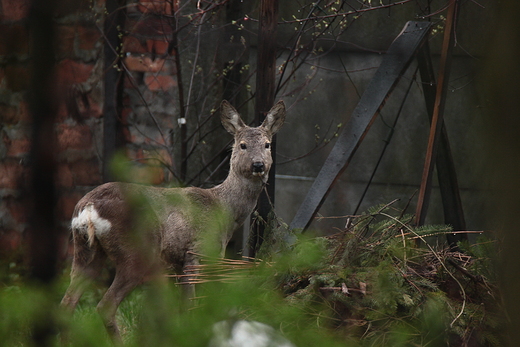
(382,281)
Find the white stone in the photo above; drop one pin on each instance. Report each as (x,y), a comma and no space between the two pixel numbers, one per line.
(246,334)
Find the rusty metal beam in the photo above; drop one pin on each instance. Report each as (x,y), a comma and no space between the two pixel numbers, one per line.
(447,177)
(394,64)
(438,114)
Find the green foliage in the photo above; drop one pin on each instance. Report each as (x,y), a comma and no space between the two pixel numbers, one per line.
(370,285)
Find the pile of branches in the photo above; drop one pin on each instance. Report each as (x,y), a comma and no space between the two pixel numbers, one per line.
(379,282)
(386,282)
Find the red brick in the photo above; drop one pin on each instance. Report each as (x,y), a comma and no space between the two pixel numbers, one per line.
(14,10)
(75,137)
(155,6)
(10,240)
(161,47)
(62,112)
(18,209)
(89,109)
(8,114)
(23,112)
(143,64)
(86,173)
(132,44)
(157,27)
(18,147)
(65,35)
(17,77)
(72,72)
(14,39)
(80,173)
(88,37)
(66,203)
(159,82)
(157,46)
(11,173)
(64,177)
(68,7)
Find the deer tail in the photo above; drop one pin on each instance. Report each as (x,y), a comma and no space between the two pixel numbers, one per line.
(91,233)
(88,222)
(89,216)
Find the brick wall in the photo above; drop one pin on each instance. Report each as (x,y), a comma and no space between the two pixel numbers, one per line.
(147,113)
(78,77)
(150,90)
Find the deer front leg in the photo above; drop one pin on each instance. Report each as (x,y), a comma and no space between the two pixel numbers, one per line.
(188,282)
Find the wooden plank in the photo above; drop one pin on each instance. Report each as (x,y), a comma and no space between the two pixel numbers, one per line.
(394,64)
(447,176)
(438,114)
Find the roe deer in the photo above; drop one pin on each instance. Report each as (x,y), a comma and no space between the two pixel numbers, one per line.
(105,222)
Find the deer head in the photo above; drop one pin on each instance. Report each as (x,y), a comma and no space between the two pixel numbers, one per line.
(252,149)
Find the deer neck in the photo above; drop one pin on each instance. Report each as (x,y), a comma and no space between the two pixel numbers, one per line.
(239,195)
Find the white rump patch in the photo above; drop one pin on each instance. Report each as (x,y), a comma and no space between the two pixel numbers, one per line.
(90,217)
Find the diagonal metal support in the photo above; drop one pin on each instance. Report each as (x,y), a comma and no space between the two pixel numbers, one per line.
(447,177)
(394,64)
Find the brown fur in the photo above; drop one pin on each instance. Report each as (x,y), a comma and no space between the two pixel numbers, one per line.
(143,229)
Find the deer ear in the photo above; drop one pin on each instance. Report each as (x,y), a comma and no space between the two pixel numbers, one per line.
(230,118)
(275,118)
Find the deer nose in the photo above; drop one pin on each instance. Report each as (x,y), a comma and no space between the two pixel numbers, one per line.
(258,166)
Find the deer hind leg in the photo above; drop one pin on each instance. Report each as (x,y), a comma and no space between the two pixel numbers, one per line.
(128,276)
(86,267)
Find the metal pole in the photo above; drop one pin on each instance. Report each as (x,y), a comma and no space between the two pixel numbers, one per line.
(265,90)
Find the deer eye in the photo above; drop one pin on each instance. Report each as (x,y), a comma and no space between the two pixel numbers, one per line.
(267,145)
(243,146)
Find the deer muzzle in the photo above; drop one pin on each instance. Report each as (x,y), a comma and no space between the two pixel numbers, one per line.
(258,168)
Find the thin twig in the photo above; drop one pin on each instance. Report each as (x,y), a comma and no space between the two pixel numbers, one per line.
(440,261)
